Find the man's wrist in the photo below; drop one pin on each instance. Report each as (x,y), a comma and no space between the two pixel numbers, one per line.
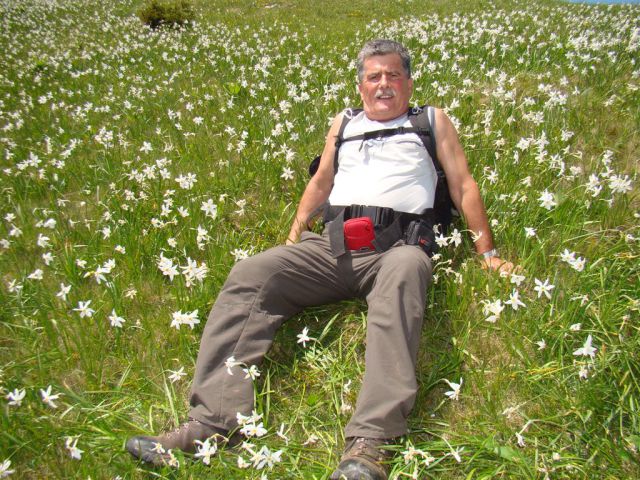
(489,254)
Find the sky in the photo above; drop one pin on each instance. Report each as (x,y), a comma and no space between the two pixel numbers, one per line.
(636,2)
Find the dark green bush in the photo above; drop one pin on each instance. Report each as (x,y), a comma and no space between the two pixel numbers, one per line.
(172,13)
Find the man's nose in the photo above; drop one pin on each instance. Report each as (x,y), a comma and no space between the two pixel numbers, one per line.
(384,80)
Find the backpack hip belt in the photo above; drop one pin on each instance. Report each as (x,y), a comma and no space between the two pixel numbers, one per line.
(389,227)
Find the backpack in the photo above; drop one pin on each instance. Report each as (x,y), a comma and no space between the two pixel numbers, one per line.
(422,124)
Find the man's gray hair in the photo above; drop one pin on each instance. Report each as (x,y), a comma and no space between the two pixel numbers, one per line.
(383,47)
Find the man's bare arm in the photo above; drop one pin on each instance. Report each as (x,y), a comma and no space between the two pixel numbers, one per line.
(464,189)
(319,187)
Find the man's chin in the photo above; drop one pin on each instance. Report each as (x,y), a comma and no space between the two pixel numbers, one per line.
(383,112)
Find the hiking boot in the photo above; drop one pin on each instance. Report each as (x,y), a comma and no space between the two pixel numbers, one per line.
(362,460)
(156,450)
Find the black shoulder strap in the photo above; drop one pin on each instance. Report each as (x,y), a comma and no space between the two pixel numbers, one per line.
(423,119)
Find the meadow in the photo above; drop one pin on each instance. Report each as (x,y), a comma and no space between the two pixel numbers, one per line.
(137,166)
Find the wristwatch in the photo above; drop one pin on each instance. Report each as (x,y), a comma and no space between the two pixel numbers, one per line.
(490,254)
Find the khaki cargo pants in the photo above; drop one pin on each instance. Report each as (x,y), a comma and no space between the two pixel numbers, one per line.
(264,290)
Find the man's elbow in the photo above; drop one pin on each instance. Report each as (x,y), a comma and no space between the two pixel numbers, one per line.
(468,190)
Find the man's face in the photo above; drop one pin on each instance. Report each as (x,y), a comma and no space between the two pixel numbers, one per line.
(385,88)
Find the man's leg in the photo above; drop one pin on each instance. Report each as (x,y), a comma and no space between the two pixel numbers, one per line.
(260,293)
(395,290)
(396,302)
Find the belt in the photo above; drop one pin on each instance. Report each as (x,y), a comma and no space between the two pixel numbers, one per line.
(389,224)
(380,216)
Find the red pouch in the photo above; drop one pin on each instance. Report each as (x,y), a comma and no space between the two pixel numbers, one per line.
(359,233)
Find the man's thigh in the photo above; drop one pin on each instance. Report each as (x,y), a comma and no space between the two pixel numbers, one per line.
(299,275)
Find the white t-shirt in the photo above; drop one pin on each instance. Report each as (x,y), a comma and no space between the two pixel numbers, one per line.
(395,171)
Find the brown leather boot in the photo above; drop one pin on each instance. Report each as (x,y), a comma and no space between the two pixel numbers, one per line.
(363,460)
(155,450)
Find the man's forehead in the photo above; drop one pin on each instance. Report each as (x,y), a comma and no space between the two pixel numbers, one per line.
(390,61)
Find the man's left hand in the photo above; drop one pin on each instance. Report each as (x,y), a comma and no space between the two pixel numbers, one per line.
(498,264)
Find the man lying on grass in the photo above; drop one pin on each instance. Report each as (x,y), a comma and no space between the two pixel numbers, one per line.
(381,189)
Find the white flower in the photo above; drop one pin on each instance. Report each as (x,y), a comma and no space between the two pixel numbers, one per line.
(48,398)
(177,375)
(187,318)
(167,267)
(47,258)
(210,209)
(619,184)
(230,363)
(191,319)
(49,223)
(84,310)
(575,327)
(543,288)
(15,398)
(456,237)
(184,213)
(253,430)
(570,258)
(587,350)
(455,392)
(252,372)
(547,200)
(583,373)
(514,300)
(493,308)
(456,453)
(542,344)
(173,461)
(206,450)
(593,186)
(115,320)
(265,458)
(64,290)
(280,433)
(517,279)
(36,275)
(158,448)
(567,256)
(4,469)
(520,439)
(239,254)
(74,451)
(43,241)
(187,181)
(578,264)
(304,337)
(244,419)
(194,272)
(442,241)
(529,232)
(242,463)
(287,173)
(311,440)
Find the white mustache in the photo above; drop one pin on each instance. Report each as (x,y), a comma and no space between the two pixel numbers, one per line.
(385,93)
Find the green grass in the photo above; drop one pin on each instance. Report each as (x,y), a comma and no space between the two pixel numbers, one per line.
(545,95)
